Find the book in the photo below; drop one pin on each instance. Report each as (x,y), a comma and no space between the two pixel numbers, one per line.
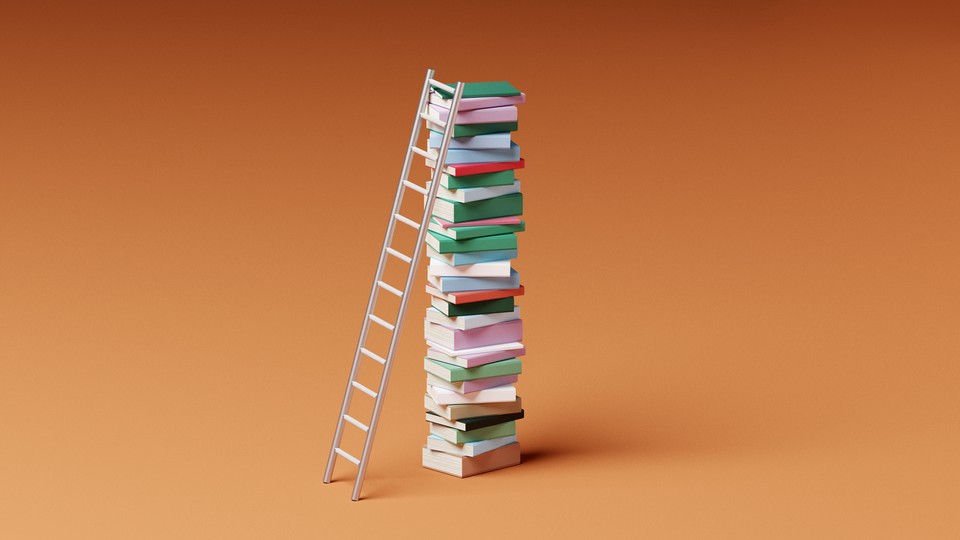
(471,387)
(497,178)
(469,104)
(515,346)
(456,212)
(469,322)
(497,394)
(473,296)
(477,422)
(503,220)
(490,155)
(452,373)
(456,436)
(477,142)
(460,259)
(494,334)
(438,113)
(470,449)
(484,89)
(472,130)
(474,231)
(485,269)
(464,466)
(474,359)
(497,305)
(442,244)
(471,410)
(452,284)
(466,195)
(465,169)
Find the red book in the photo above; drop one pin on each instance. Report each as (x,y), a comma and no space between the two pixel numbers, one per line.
(466,169)
(474,296)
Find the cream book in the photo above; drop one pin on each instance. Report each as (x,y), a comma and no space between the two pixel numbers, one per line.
(471,410)
(475,385)
(470,449)
(469,322)
(463,466)
(484,269)
(497,394)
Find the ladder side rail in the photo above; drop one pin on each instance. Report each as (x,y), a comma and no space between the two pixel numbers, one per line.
(387,239)
(412,271)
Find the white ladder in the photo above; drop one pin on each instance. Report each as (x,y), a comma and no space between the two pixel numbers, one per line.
(412,261)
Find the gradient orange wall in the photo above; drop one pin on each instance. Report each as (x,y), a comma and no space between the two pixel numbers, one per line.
(741,261)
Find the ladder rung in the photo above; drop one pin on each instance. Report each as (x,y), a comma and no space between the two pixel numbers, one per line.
(423,153)
(446,87)
(414,187)
(407,221)
(399,255)
(372,355)
(390,288)
(428,118)
(355,422)
(364,389)
(350,458)
(381,322)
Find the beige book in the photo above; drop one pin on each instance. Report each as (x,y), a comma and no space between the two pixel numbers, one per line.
(463,466)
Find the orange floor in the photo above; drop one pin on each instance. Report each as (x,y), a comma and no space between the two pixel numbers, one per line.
(741,267)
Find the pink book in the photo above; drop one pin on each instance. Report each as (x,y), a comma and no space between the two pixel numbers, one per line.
(495,334)
(478,116)
(476,359)
(508,220)
(476,385)
(469,104)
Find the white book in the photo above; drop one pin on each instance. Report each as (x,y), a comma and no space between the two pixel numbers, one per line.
(469,449)
(469,322)
(475,350)
(485,269)
(472,386)
(497,394)
(466,195)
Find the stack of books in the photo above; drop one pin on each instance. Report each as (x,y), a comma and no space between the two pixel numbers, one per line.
(473,328)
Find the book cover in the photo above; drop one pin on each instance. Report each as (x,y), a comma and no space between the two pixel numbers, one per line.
(471,410)
(469,322)
(456,436)
(472,257)
(498,178)
(472,130)
(477,142)
(466,195)
(443,244)
(473,296)
(471,387)
(477,231)
(463,466)
(472,424)
(504,220)
(504,332)
(484,89)
(452,373)
(486,269)
(498,394)
(498,305)
(490,155)
(452,284)
(507,113)
(515,346)
(469,104)
(469,449)
(474,359)
(505,205)
(465,169)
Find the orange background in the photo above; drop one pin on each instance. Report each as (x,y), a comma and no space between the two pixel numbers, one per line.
(741,261)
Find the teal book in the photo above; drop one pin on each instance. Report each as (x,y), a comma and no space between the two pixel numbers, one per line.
(500,178)
(482,89)
(452,373)
(475,231)
(472,130)
(457,212)
(485,243)
(459,437)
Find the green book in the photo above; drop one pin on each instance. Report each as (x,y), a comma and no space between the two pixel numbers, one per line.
(456,212)
(459,437)
(500,178)
(452,373)
(497,305)
(469,130)
(482,89)
(475,231)
(484,243)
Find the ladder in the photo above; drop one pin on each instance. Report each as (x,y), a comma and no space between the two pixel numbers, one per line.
(386,361)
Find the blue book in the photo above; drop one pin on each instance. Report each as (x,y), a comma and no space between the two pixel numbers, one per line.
(490,155)
(477,142)
(472,257)
(450,284)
